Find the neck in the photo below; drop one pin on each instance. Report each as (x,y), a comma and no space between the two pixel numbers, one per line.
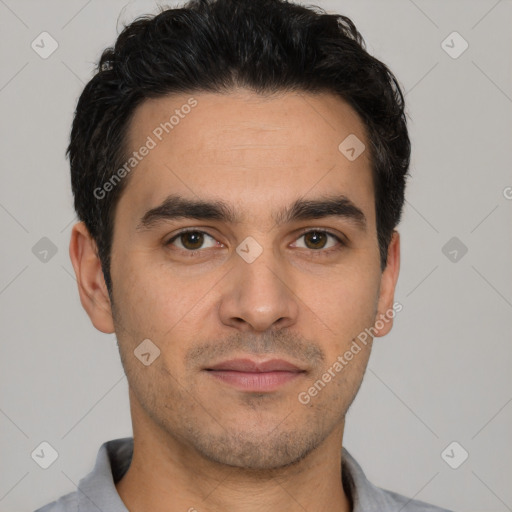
(166,475)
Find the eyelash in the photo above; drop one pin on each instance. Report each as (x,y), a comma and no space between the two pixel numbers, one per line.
(318,252)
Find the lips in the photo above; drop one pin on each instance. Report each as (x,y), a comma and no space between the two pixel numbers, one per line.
(255,376)
(250,366)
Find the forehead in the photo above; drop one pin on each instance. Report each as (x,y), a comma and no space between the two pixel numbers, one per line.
(246,149)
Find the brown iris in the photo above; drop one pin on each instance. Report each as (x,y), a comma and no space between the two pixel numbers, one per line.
(318,237)
(195,238)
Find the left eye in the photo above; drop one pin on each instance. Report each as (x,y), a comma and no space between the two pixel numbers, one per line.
(317,239)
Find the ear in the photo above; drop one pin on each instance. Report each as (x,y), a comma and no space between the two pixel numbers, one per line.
(383,321)
(89,276)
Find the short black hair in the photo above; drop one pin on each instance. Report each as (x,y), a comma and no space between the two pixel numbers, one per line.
(267,46)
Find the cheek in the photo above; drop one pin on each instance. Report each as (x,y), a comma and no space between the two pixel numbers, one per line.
(346,304)
(155,301)
(151,307)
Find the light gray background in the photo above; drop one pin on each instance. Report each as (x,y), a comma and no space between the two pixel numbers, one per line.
(442,374)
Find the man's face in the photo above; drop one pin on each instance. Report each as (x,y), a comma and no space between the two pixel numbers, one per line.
(255,287)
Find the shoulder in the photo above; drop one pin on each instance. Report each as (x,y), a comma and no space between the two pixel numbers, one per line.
(366,497)
(96,491)
(66,503)
(405,504)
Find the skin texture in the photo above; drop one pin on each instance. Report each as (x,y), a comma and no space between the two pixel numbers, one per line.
(199,442)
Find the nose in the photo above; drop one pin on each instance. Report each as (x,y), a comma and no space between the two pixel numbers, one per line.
(259,295)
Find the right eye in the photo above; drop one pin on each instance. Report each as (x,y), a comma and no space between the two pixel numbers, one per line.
(191,240)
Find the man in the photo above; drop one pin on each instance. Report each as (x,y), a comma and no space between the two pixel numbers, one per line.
(238,169)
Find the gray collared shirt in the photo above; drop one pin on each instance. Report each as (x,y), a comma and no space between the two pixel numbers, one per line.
(97,492)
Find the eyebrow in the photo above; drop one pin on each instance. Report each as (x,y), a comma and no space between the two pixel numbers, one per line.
(178,207)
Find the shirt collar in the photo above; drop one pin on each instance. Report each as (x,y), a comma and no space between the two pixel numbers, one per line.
(97,490)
